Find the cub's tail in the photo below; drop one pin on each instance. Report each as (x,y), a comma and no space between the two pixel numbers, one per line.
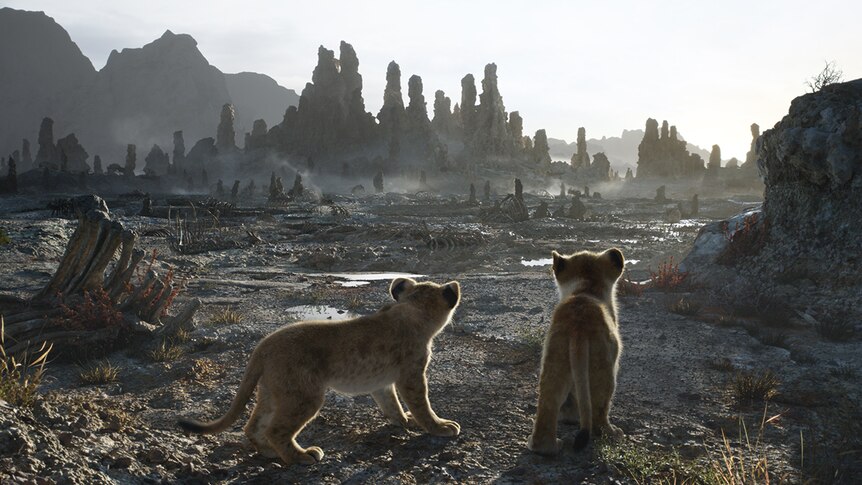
(249,381)
(579,356)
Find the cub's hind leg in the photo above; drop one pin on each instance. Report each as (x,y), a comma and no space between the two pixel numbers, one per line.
(292,413)
(602,393)
(387,400)
(261,418)
(555,383)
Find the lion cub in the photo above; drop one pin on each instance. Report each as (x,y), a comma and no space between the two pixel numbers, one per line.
(384,354)
(582,349)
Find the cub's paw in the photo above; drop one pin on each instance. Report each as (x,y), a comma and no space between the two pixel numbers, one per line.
(545,447)
(411,421)
(611,432)
(445,427)
(310,456)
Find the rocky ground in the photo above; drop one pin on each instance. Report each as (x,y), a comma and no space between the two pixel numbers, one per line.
(685,383)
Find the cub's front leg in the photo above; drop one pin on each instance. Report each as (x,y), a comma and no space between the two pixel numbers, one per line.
(389,404)
(413,387)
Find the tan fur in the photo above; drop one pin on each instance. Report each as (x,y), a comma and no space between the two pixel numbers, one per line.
(384,354)
(581,352)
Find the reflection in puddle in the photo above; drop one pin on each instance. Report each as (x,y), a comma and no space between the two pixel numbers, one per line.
(318,312)
(361,279)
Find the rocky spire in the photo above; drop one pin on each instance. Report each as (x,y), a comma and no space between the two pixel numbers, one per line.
(540,156)
(352,80)
(516,131)
(26,157)
(131,158)
(12,176)
(442,121)
(257,138)
(226,135)
(417,112)
(751,156)
(664,130)
(468,106)
(179,152)
(47,151)
(97,165)
(715,157)
(491,136)
(392,112)
(581,159)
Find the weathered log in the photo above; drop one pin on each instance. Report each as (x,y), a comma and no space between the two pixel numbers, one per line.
(13,318)
(182,320)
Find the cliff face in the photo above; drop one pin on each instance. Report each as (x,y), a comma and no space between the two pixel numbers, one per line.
(40,68)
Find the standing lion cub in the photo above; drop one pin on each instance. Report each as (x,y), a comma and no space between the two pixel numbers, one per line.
(582,349)
(384,354)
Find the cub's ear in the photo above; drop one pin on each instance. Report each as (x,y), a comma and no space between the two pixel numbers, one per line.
(399,286)
(616,257)
(452,293)
(559,262)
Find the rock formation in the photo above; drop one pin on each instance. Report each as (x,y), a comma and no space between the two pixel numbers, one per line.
(256,140)
(26,156)
(391,116)
(131,158)
(600,168)
(467,109)
(629,174)
(539,157)
(443,122)
(258,96)
(12,176)
(157,162)
(665,155)
(200,156)
(97,165)
(73,154)
(581,159)
(516,131)
(378,182)
(226,135)
(179,152)
(47,154)
(491,137)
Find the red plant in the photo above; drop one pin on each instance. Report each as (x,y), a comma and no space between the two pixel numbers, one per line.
(744,240)
(94,311)
(668,276)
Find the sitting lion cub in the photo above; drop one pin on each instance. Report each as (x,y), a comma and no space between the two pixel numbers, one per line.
(582,349)
(377,354)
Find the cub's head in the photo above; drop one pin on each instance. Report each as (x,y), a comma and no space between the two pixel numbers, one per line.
(434,298)
(586,271)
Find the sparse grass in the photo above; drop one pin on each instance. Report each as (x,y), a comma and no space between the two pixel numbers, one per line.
(182,335)
(20,378)
(747,463)
(668,277)
(4,237)
(316,296)
(355,303)
(167,351)
(117,420)
(532,337)
(837,330)
(101,372)
(727,321)
(685,307)
(226,316)
(750,387)
(645,465)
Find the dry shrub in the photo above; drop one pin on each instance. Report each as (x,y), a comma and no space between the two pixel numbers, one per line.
(20,378)
(206,370)
(627,287)
(226,316)
(668,276)
(747,463)
(686,307)
(167,351)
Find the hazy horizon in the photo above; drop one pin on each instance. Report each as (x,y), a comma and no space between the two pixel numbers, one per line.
(711,70)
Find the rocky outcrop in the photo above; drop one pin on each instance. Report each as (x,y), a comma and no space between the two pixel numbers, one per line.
(391,115)
(47,154)
(256,140)
(131,158)
(806,238)
(157,162)
(467,108)
(72,154)
(600,169)
(751,156)
(179,152)
(258,96)
(26,156)
(516,130)
(539,156)
(201,155)
(664,154)
(443,122)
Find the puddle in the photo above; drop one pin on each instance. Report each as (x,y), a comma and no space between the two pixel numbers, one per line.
(318,312)
(353,280)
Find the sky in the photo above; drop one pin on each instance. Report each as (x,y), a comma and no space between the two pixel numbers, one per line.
(710,68)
